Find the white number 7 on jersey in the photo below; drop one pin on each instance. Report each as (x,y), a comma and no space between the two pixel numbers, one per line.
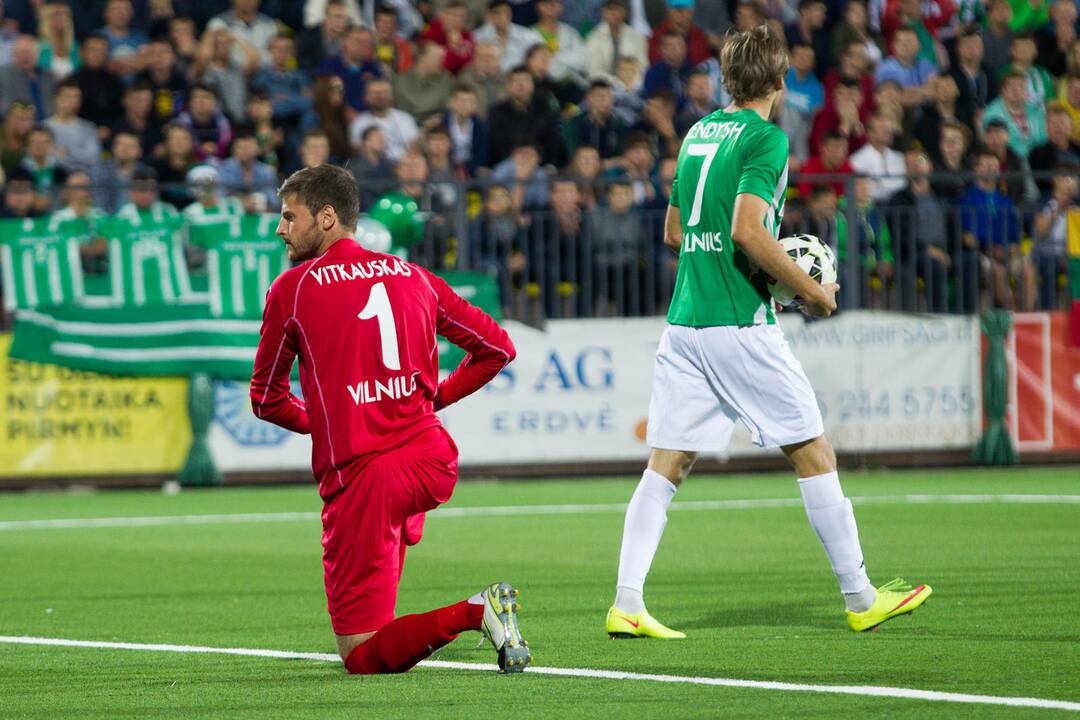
(378,307)
(708,151)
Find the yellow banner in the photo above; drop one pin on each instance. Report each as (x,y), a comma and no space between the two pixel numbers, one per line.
(61,422)
(1072,229)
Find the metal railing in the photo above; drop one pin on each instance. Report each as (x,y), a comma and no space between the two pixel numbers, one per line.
(594,261)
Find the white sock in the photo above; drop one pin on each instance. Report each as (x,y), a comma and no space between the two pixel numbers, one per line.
(477,599)
(646,517)
(831,516)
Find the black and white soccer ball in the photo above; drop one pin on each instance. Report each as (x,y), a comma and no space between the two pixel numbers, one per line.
(810,254)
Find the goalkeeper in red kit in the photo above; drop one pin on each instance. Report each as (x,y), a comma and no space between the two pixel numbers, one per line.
(363,325)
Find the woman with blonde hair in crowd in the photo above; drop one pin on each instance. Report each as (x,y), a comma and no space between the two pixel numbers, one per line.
(56,31)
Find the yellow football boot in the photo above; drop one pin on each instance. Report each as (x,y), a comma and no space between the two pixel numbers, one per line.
(893,598)
(624,626)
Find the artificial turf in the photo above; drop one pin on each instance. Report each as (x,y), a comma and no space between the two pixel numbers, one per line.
(751,587)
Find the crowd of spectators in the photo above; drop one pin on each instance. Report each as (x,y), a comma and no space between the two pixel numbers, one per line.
(540,136)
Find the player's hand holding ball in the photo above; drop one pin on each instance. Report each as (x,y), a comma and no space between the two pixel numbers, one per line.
(817,260)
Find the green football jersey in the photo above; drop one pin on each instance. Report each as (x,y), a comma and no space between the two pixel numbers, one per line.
(724,155)
(40,263)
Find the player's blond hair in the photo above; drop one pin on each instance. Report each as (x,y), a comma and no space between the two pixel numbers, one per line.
(753,63)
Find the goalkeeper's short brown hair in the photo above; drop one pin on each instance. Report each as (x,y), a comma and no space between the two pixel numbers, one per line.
(753,63)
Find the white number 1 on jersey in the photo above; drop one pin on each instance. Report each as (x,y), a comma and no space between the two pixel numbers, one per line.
(378,307)
(708,151)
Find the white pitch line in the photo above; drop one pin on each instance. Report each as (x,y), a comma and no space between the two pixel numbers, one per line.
(517,510)
(862,690)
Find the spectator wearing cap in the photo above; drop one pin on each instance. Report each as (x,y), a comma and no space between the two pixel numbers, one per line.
(102,91)
(1025,120)
(976,86)
(484,76)
(124,41)
(22,82)
(450,30)
(1040,85)
(177,159)
(597,126)
(355,66)
(324,40)
(564,42)
(878,161)
(700,101)
(209,126)
(803,97)
(524,118)
(211,203)
(424,91)
(144,204)
(392,51)
(809,29)
(511,39)
(112,177)
(906,68)
(288,90)
(244,173)
(215,65)
(671,70)
(680,19)
(402,133)
(77,142)
(611,40)
(470,135)
(248,25)
(1059,150)
(1016,183)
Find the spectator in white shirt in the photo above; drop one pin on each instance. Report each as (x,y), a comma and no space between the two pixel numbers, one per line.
(511,39)
(879,161)
(613,39)
(77,143)
(402,134)
(249,25)
(567,49)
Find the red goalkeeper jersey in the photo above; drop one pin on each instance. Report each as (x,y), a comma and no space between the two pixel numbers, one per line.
(363,325)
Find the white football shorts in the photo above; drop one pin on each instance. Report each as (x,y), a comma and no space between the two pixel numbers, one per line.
(704,379)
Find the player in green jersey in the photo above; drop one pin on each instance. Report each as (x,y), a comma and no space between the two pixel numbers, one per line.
(722,357)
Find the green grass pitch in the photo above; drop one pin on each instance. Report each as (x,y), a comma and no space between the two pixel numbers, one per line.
(751,587)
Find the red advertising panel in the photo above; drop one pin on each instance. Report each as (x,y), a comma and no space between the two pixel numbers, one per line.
(1044,383)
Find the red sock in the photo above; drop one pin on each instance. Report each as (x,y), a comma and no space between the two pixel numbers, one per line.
(407,640)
